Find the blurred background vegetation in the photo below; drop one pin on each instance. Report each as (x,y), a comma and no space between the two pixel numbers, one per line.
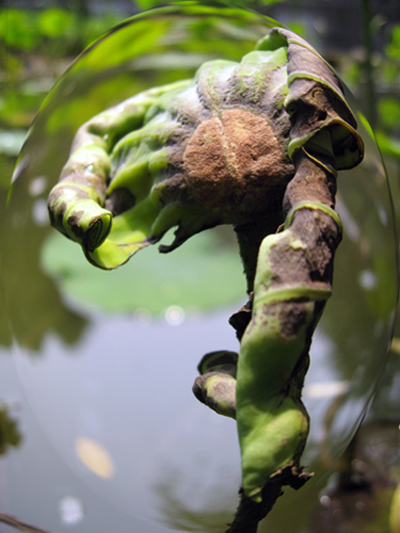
(40,38)
(361,38)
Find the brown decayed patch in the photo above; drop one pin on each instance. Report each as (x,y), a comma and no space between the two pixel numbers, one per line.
(293,316)
(230,155)
(256,149)
(58,192)
(240,320)
(73,223)
(313,261)
(119,201)
(57,215)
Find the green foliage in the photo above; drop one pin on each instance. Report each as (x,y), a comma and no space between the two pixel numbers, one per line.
(389,112)
(17,30)
(56,23)
(147,4)
(384,107)
(390,146)
(80,284)
(393,48)
(34,49)
(32,30)
(389,71)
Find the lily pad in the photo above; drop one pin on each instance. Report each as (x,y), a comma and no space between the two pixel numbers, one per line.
(205,274)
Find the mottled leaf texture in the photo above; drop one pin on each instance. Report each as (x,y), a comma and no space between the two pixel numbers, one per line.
(255,144)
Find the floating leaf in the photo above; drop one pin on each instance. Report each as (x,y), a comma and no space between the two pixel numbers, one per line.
(95,457)
(205,274)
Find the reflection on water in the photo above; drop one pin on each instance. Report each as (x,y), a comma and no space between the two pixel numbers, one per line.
(95,457)
(9,432)
(112,437)
(71,510)
(120,390)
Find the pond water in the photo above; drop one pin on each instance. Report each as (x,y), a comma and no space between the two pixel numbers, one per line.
(96,368)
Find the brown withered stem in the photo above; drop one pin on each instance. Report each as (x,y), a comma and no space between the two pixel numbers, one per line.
(314,265)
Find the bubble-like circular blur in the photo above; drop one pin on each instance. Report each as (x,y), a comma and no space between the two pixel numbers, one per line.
(95,357)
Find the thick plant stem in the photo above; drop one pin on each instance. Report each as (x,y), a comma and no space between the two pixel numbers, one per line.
(255,144)
(249,237)
(292,283)
(250,513)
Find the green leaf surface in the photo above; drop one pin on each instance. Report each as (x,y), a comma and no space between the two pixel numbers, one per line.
(206,273)
(388,145)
